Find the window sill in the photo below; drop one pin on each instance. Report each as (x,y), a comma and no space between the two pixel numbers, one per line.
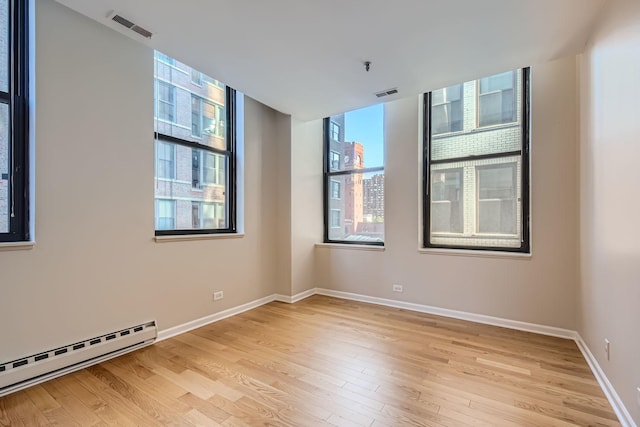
(476,253)
(347,246)
(191,237)
(17,246)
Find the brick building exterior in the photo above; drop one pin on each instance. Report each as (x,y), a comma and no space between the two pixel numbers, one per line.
(477,201)
(190,183)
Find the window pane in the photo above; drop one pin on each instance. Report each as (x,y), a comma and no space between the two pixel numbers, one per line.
(165,214)
(356,207)
(165,160)
(361,142)
(446,201)
(497,199)
(4,46)
(196,112)
(496,99)
(497,107)
(195,180)
(4,168)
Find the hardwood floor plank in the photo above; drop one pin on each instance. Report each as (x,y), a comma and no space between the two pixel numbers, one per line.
(328,362)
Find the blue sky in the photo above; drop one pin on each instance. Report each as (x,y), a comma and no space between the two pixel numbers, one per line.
(367,126)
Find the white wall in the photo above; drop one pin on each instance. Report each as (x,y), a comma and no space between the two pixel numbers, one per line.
(540,289)
(95,267)
(609,293)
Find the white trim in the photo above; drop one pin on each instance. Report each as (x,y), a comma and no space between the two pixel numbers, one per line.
(203,321)
(190,237)
(297,297)
(476,253)
(350,246)
(17,246)
(612,396)
(463,315)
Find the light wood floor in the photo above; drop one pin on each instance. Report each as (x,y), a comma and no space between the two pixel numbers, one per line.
(325,361)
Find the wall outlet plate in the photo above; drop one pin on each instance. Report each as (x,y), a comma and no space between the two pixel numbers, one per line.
(218,295)
(397,288)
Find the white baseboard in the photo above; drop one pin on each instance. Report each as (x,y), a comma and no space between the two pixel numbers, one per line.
(295,298)
(605,384)
(203,321)
(463,315)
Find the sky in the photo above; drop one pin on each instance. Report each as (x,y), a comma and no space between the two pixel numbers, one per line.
(366,125)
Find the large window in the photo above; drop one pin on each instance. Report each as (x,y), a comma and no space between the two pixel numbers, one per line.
(476,180)
(195,152)
(14,216)
(354,177)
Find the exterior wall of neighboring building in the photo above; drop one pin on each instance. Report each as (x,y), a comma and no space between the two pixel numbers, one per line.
(476,140)
(198,196)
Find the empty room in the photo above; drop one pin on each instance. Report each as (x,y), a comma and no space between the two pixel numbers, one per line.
(328,213)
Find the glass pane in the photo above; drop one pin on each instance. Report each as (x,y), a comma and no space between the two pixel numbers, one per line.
(4,45)
(360,138)
(195,181)
(497,199)
(497,82)
(446,201)
(4,168)
(196,111)
(356,207)
(499,106)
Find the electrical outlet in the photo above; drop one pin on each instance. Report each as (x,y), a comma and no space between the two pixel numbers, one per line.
(218,295)
(397,288)
(607,348)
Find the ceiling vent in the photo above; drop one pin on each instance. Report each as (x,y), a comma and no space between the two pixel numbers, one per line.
(130,25)
(387,92)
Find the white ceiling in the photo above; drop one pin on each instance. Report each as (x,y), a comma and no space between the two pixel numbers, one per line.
(305,57)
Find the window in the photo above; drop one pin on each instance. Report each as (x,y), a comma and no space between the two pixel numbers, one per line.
(195,156)
(335,189)
(335,160)
(165,101)
(497,99)
(196,77)
(165,214)
(446,110)
(354,177)
(166,163)
(14,216)
(207,118)
(335,131)
(214,169)
(335,218)
(476,182)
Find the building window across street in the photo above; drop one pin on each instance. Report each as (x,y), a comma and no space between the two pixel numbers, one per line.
(476,165)
(195,151)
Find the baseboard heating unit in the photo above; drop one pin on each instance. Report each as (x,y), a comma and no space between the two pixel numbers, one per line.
(24,372)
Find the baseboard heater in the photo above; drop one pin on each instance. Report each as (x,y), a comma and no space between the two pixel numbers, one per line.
(24,372)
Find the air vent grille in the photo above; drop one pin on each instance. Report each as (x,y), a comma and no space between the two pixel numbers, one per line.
(123,21)
(387,92)
(130,25)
